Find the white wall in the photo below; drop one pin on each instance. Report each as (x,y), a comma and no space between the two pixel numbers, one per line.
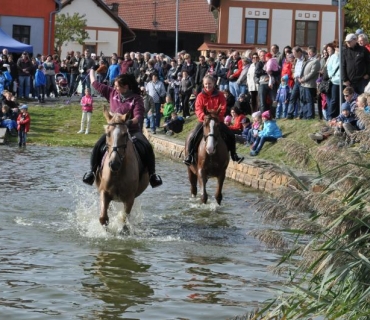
(328,26)
(281,28)
(235,25)
(107,41)
(325,2)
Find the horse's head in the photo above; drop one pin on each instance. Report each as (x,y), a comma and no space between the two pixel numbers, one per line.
(117,138)
(211,130)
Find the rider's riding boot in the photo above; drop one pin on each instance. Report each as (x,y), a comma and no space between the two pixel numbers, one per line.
(89,178)
(155,180)
(188,160)
(236,158)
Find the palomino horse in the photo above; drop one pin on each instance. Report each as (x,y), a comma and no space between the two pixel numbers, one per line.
(119,179)
(211,159)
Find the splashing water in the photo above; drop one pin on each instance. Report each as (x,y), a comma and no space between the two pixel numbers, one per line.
(85,217)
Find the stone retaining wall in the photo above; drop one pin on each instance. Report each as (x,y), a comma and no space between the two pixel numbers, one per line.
(256,174)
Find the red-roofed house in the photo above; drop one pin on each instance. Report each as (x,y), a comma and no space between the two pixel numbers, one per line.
(154,23)
(31,23)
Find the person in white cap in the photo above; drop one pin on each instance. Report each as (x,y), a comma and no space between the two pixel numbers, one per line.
(356,64)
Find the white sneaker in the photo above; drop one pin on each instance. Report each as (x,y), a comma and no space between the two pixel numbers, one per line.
(81,131)
(86,132)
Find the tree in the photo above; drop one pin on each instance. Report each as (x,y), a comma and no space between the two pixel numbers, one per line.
(357,15)
(69,28)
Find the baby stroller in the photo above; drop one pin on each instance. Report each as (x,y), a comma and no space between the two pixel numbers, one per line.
(62,84)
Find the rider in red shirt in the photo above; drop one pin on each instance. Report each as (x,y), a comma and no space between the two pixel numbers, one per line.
(210,99)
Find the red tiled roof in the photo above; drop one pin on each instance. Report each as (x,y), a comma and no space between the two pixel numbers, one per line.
(194,15)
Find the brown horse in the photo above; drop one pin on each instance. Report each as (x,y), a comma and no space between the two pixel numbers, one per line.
(211,159)
(119,179)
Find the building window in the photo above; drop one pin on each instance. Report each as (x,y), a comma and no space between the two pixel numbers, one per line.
(91,48)
(22,33)
(306,33)
(256,31)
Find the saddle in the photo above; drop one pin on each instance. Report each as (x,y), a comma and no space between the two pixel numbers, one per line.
(140,151)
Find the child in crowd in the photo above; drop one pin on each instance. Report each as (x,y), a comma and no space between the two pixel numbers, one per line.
(168,108)
(175,125)
(270,132)
(227,120)
(10,101)
(87,109)
(247,126)
(176,87)
(23,125)
(236,122)
(113,72)
(282,98)
(255,128)
(8,120)
(363,104)
(40,83)
(271,67)
(346,123)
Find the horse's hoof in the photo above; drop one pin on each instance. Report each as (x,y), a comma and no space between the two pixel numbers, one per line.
(104,221)
(125,230)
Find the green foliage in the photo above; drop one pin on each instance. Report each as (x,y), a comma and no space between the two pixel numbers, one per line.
(69,28)
(357,15)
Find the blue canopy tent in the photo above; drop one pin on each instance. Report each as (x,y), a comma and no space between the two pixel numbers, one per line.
(13,46)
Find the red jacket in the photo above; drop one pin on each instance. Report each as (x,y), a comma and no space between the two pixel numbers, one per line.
(24,119)
(210,101)
(237,125)
(288,69)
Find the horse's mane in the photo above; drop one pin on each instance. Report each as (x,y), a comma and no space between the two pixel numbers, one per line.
(117,118)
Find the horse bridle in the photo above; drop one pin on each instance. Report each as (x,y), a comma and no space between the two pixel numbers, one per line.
(122,146)
(205,137)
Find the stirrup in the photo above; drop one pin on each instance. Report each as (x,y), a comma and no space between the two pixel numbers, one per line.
(89,178)
(236,158)
(188,160)
(155,180)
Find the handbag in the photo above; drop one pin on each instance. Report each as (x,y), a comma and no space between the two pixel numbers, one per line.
(162,100)
(325,85)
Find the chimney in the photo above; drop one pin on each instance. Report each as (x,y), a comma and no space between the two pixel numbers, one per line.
(114,8)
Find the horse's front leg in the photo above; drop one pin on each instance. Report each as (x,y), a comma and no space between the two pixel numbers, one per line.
(104,204)
(128,204)
(202,184)
(193,182)
(220,183)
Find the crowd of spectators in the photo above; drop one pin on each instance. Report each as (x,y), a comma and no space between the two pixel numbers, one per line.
(283,83)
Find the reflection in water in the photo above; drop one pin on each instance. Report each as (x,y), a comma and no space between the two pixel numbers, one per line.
(117,282)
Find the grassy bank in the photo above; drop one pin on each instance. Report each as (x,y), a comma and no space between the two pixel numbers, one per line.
(57,124)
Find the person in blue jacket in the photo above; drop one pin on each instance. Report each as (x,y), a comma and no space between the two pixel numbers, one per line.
(270,132)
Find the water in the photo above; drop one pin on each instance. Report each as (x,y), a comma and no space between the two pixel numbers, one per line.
(182,260)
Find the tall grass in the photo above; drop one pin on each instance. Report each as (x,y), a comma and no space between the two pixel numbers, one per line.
(324,224)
